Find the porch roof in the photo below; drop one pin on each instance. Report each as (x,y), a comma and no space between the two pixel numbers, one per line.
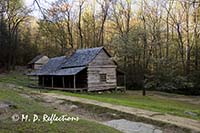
(60,72)
(68,71)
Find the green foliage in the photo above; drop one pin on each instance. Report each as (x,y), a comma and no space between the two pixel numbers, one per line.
(128,55)
(169,80)
(3,43)
(154,46)
(195,76)
(27,50)
(54,38)
(16,78)
(12,14)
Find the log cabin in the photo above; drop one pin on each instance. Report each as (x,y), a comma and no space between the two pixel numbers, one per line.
(37,62)
(90,69)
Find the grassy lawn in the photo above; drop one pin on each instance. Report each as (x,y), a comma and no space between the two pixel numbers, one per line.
(132,99)
(14,78)
(28,106)
(152,102)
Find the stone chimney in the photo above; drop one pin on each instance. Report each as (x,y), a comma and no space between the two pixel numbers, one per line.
(69,52)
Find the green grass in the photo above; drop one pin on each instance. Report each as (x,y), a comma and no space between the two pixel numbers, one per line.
(133,99)
(153,102)
(28,106)
(15,78)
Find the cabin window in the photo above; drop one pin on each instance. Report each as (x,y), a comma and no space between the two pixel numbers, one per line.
(102,77)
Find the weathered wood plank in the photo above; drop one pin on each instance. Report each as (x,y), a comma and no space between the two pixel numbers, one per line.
(102,59)
(59,88)
(102,64)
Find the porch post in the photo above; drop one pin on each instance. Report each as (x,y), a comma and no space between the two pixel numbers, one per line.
(36,82)
(43,81)
(51,81)
(28,80)
(74,81)
(124,83)
(63,79)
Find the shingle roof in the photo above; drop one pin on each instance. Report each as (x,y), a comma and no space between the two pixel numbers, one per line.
(35,59)
(52,65)
(69,66)
(82,57)
(68,71)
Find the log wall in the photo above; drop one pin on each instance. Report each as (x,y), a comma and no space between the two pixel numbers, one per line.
(102,64)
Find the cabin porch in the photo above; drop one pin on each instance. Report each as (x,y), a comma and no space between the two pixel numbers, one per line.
(77,81)
(74,82)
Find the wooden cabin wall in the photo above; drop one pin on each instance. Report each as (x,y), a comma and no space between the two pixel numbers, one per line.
(102,64)
(42,60)
(37,66)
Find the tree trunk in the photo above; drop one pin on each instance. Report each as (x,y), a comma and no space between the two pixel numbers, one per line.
(69,28)
(167,41)
(188,48)
(79,25)
(144,55)
(196,37)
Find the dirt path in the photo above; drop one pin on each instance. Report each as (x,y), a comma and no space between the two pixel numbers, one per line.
(155,116)
(98,115)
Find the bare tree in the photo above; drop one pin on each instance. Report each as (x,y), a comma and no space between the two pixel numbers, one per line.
(196,6)
(145,44)
(105,5)
(13,13)
(81,2)
(121,13)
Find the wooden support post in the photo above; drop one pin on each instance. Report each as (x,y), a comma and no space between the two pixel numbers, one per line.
(63,79)
(51,81)
(29,83)
(43,81)
(74,81)
(124,83)
(116,89)
(36,81)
